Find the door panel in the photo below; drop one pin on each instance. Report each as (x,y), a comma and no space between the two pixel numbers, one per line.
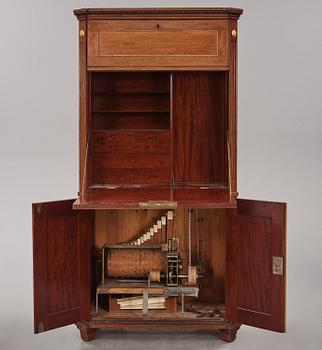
(61,249)
(254,294)
(199,128)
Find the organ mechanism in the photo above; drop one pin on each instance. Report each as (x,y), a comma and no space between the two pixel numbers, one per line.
(147,270)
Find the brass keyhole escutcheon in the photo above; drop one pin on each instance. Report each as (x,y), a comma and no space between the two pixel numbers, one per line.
(81,33)
(234,33)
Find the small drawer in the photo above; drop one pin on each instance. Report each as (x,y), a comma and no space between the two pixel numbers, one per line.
(132,176)
(112,136)
(148,147)
(131,161)
(151,136)
(106,146)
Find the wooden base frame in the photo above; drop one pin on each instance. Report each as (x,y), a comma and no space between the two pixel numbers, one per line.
(226,330)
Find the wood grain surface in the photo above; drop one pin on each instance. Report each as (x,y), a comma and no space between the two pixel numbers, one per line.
(61,249)
(256,233)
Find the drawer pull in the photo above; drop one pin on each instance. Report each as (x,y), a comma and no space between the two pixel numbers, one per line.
(81,33)
(234,33)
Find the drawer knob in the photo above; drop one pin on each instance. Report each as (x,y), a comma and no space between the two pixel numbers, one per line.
(234,33)
(81,33)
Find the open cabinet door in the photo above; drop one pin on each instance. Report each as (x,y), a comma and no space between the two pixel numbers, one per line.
(61,252)
(255,284)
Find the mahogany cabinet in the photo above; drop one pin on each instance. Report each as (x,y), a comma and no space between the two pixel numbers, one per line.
(157,237)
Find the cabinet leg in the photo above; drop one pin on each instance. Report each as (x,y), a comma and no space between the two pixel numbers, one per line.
(86,333)
(229,334)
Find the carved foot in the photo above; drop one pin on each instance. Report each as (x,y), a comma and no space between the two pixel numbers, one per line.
(229,334)
(86,333)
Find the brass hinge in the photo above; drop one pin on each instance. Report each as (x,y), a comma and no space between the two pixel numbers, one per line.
(278,265)
(157,205)
(40,327)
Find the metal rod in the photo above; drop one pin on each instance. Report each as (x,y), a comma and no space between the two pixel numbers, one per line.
(103,265)
(182,304)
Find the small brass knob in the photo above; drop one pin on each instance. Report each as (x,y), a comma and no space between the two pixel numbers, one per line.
(81,33)
(234,33)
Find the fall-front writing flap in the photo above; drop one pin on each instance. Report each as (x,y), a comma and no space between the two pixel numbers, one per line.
(61,249)
(255,288)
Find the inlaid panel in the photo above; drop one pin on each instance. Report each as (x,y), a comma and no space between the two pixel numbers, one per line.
(62,264)
(163,43)
(256,233)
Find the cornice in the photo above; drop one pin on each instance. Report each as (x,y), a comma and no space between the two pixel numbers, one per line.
(159,12)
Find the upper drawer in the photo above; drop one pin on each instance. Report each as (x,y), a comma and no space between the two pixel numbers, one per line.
(159,44)
(151,136)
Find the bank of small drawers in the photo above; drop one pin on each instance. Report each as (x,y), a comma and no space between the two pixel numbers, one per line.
(131,157)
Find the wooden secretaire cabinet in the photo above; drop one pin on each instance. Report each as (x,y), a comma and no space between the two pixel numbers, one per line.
(157,237)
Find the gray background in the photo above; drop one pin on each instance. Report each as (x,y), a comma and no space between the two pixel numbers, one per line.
(279,145)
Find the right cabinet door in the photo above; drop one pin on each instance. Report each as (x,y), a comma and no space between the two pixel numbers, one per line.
(256,254)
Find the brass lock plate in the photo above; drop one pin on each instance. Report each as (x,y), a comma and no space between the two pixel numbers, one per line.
(157,205)
(278,265)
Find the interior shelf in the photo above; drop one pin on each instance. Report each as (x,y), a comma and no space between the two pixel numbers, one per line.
(130,92)
(130,111)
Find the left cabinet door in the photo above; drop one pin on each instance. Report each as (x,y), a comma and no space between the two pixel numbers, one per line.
(62,270)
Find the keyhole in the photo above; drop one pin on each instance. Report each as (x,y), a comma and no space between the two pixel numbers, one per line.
(158,26)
